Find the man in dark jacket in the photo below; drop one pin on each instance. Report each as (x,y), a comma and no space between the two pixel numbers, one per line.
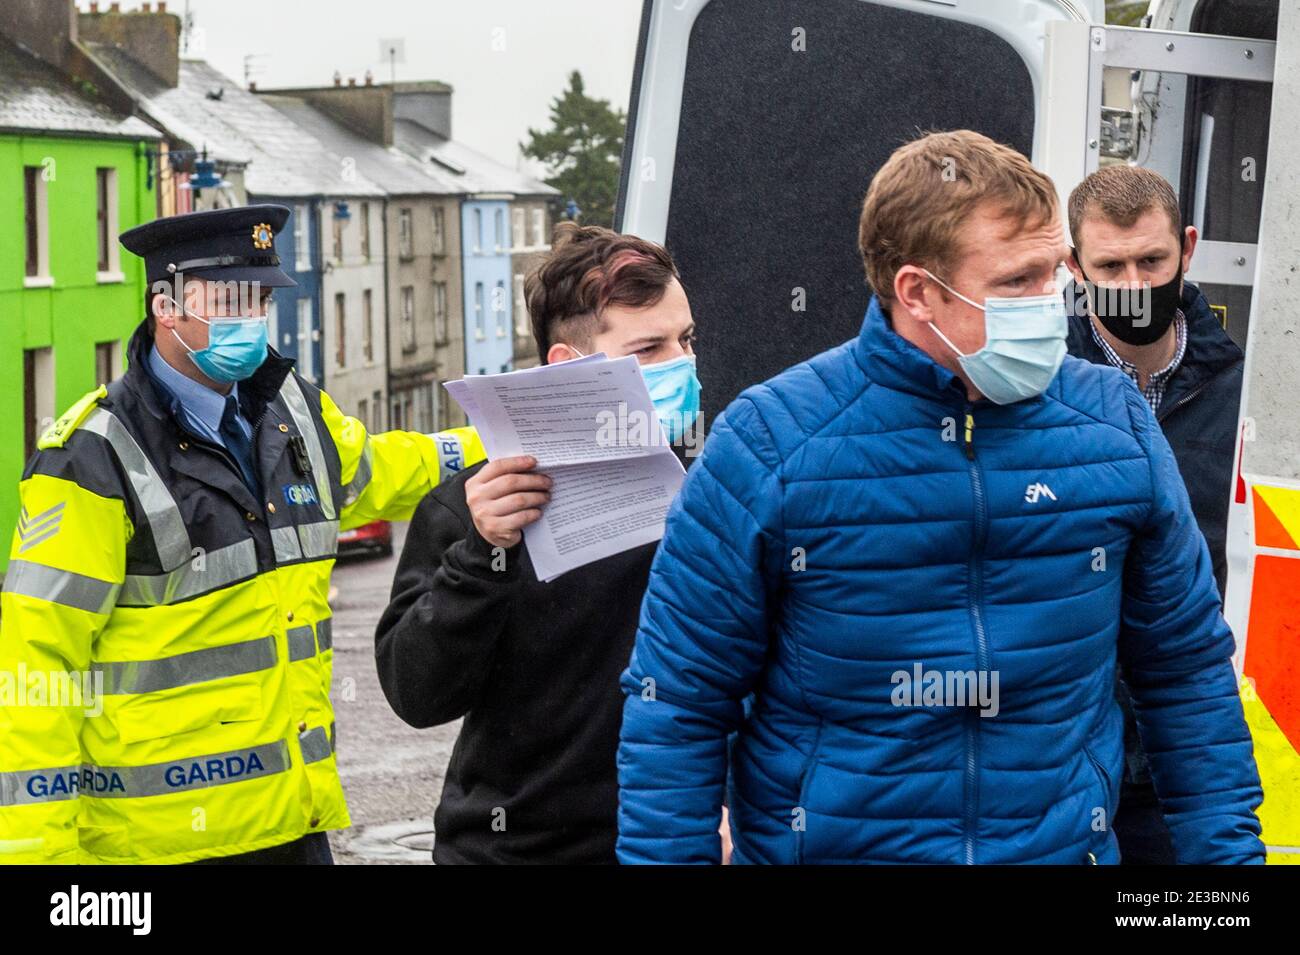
(1124,221)
(534,667)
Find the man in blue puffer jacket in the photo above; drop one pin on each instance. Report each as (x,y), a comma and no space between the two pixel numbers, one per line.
(923,552)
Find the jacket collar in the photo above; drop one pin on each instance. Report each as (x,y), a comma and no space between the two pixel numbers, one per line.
(891,360)
(254,393)
(1209,349)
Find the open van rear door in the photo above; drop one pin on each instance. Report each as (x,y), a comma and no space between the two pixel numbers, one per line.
(755,129)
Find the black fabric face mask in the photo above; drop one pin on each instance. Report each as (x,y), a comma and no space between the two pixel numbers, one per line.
(1137,316)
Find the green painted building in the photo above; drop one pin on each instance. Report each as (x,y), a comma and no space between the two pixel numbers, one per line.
(73,175)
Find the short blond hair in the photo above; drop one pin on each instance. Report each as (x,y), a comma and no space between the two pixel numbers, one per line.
(1120,194)
(919,199)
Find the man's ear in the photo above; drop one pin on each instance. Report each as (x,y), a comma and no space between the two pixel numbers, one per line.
(1190,238)
(560,352)
(910,283)
(1072,263)
(163,311)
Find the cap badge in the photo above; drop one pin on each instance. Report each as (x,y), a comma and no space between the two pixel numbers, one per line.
(262,236)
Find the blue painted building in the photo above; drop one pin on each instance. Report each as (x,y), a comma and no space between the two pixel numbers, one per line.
(489,317)
(295,315)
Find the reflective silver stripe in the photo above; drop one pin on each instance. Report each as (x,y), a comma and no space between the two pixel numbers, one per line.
(198,575)
(308,541)
(26,786)
(301,643)
(320,539)
(315,744)
(362,477)
(178,775)
(169,534)
(451,454)
(285,542)
(184,669)
(60,586)
(302,417)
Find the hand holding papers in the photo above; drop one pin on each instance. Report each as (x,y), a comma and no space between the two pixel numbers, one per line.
(592,427)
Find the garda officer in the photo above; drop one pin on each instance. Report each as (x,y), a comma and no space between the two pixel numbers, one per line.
(172,561)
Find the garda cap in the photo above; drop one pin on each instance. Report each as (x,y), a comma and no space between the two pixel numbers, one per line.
(232,245)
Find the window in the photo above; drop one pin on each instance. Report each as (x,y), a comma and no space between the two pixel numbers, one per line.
(440,334)
(301,247)
(499,308)
(108,365)
(539,227)
(478,230)
(340,332)
(363,410)
(480,328)
(521,308)
(367,327)
(106,225)
(306,352)
(36,225)
(365,231)
(408,318)
(518,222)
(425,411)
(404,239)
(38,395)
(444,410)
(500,230)
(439,231)
(377,406)
(273,324)
(338,238)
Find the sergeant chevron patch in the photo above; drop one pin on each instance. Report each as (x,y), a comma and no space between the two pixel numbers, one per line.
(33,530)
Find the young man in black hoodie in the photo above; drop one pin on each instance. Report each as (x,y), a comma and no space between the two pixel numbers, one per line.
(534,667)
(1127,234)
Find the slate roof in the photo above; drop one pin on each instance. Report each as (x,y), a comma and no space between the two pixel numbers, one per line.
(35,97)
(479,173)
(207,108)
(396,171)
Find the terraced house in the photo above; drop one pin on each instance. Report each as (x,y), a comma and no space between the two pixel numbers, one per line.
(73,174)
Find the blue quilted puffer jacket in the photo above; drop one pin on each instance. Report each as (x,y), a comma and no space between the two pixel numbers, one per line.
(855,523)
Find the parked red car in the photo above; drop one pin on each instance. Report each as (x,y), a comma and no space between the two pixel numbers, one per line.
(375,537)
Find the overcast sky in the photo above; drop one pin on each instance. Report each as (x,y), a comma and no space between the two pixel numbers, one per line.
(506,59)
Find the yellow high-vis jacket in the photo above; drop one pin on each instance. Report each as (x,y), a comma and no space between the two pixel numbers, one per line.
(165,650)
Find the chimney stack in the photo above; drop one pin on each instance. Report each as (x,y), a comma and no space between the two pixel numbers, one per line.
(94,6)
(352,81)
(115,8)
(162,6)
(252,86)
(153,41)
(338,78)
(370,78)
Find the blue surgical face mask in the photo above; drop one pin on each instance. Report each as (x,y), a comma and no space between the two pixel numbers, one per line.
(1023,348)
(236,346)
(675,390)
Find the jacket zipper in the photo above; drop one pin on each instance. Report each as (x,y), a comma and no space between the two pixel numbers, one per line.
(1191,394)
(976,586)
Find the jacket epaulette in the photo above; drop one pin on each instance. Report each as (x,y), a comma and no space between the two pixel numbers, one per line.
(56,435)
